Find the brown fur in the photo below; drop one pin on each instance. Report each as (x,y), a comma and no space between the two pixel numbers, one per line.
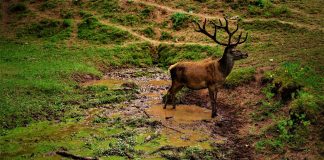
(207,73)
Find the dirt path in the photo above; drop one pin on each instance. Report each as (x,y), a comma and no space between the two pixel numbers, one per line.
(190,123)
(74,35)
(154,42)
(299,25)
(177,10)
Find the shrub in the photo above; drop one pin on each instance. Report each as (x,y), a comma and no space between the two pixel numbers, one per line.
(48,5)
(146,12)
(128,19)
(306,105)
(17,8)
(179,20)
(263,3)
(149,32)
(66,14)
(165,36)
(54,29)
(106,6)
(277,11)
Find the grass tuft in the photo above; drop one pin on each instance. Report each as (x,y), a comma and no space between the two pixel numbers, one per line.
(240,76)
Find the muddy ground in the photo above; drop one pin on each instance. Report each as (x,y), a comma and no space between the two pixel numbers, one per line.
(231,132)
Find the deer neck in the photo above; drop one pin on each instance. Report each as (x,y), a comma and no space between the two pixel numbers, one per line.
(226,62)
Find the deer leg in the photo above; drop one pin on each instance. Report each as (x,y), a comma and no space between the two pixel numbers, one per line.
(214,113)
(176,90)
(212,93)
(171,93)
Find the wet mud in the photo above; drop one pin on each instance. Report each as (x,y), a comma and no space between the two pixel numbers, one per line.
(190,124)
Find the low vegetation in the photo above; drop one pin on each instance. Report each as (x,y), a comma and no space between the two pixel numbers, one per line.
(240,76)
(298,84)
(91,29)
(170,55)
(53,30)
(50,48)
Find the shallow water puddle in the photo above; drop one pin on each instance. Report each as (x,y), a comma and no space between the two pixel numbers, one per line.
(187,138)
(110,83)
(157,83)
(182,113)
(182,124)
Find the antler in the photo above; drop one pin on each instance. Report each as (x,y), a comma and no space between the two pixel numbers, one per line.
(204,31)
(226,28)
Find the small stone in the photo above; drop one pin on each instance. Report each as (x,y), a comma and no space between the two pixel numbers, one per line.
(148,138)
(271,60)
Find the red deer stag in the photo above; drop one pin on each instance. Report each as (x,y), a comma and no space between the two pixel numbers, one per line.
(206,73)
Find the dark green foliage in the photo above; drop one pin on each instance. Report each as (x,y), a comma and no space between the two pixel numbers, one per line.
(179,20)
(48,28)
(149,32)
(146,12)
(106,6)
(165,36)
(48,4)
(91,29)
(240,76)
(171,54)
(17,8)
(66,14)
(128,19)
(306,105)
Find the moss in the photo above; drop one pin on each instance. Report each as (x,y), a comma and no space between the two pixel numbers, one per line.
(240,76)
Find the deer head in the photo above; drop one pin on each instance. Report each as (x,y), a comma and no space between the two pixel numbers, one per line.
(229,46)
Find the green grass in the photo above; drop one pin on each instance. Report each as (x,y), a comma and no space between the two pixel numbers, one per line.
(51,29)
(171,54)
(240,76)
(91,29)
(290,130)
(38,79)
(179,20)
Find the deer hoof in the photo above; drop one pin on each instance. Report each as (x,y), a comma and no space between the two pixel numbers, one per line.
(214,115)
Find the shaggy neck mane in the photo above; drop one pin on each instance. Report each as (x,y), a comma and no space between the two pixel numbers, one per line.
(226,62)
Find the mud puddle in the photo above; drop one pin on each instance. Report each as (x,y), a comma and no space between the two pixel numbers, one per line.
(190,123)
(183,126)
(182,113)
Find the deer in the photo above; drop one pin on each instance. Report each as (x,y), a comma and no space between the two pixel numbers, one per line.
(207,73)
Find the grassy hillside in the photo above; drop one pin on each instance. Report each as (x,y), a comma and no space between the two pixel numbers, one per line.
(49,49)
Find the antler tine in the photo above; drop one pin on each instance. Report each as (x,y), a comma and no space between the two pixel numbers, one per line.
(204,26)
(244,39)
(199,27)
(221,24)
(238,39)
(202,29)
(237,26)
